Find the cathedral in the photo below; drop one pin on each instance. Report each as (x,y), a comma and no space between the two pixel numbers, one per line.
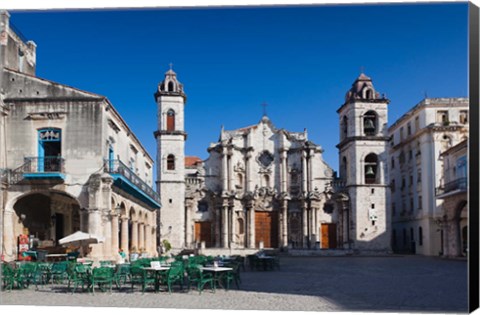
(266,187)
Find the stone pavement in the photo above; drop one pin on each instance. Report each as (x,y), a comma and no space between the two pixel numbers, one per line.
(368,284)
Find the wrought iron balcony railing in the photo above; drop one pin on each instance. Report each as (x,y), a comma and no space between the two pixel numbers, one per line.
(459,184)
(118,167)
(43,166)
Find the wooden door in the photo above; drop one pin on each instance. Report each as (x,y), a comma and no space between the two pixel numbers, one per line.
(329,235)
(266,229)
(203,232)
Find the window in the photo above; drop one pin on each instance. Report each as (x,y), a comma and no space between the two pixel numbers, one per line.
(410,154)
(170,87)
(442,117)
(403,183)
(409,129)
(411,204)
(170,120)
(370,169)
(419,176)
(404,237)
(171,162)
(344,168)
(394,238)
(393,162)
(345,126)
(420,236)
(392,185)
(463,118)
(202,206)
(411,180)
(417,124)
(49,150)
(370,123)
(401,134)
(419,202)
(394,212)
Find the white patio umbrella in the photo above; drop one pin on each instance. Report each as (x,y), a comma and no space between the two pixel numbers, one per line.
(81,239)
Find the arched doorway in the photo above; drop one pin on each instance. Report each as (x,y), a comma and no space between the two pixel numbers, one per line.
(47,216)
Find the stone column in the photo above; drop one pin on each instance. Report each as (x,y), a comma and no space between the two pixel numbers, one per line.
(125,235)
(248,178)
(107,233)
(115,241)
(304,172)
(188,223)
(284,223)
(231,212)
(217,226)
(305,225)
(8,235)
(141,236)
(283,173)
(231,184)
(225,226)
(224,169)
(147,234)
(251,226)
(134,240)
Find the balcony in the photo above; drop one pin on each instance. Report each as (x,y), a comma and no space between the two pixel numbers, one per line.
(40,170)
(459,185)
(128,181)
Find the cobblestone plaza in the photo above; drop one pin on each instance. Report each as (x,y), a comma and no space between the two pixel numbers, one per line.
(322,284)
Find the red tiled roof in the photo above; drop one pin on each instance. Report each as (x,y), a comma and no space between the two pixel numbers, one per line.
(192,161)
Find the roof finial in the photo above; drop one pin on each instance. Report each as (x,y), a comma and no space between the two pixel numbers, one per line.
(264,105)
(171,66)
(362,69)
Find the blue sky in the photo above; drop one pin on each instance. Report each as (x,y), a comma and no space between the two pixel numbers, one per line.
(300,60)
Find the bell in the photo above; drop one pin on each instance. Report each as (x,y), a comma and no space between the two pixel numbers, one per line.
(369,124)
(370,171)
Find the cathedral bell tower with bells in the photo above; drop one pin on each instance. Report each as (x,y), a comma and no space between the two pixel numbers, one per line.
(363,165)
(170,137)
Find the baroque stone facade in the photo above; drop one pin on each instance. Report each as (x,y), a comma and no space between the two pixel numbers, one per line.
(265,187)
(68,162)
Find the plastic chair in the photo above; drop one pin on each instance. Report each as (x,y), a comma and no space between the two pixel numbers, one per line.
(196,276)
(102,276)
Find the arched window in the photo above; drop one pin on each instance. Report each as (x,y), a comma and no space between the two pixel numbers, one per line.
(369,94)
(170,86)
(345,126)
(171,162)
(170,120)
(371,167)
(344,174)
(370,123)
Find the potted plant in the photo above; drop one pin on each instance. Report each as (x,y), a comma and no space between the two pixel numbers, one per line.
(166,246)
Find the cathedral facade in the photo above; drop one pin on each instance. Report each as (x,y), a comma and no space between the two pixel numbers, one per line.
(266,187)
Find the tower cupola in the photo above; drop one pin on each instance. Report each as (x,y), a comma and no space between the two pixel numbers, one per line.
(170,86)
(362,89)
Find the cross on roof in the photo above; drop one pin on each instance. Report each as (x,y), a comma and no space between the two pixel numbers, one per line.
(171,66)
(362,69)
(264,105)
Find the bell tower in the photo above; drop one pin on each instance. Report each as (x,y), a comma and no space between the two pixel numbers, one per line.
(363,165)
(170,137)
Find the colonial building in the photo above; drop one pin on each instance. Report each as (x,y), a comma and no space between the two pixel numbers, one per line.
(69,162)
(265,187)
(454,193)
(416,168)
